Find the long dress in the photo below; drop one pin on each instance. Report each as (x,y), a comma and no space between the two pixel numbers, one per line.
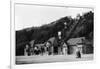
(64,49)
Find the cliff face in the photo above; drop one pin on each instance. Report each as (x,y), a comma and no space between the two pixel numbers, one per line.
(82,27)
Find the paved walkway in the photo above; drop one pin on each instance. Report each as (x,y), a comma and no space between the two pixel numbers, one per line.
(51,58)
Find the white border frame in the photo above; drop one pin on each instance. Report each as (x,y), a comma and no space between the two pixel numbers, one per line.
(12,51)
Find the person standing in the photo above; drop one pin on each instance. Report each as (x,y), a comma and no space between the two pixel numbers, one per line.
(64,48)
(78,51)
(47,47)
(26,50)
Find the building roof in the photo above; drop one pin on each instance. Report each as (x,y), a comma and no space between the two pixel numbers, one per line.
(74,41)
(52,39)
(39,45)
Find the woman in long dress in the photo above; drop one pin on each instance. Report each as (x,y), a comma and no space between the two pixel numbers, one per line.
(26,50)
(64,48)
(78,51)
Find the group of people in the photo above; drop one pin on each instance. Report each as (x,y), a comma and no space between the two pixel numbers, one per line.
(28,51)
(45,49)
(48,49)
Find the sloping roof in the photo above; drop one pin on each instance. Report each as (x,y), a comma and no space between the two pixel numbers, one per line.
(39,45)
(32,41)
(74,41)
(52,39)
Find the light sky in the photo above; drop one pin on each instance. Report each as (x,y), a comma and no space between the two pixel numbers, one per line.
(35,15)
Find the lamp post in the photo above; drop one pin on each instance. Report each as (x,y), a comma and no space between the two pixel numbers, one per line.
(60,38)
(59,34)
(65,24)
(65,36)
(59,42)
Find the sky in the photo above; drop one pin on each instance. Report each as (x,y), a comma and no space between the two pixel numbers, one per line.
(35,15)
